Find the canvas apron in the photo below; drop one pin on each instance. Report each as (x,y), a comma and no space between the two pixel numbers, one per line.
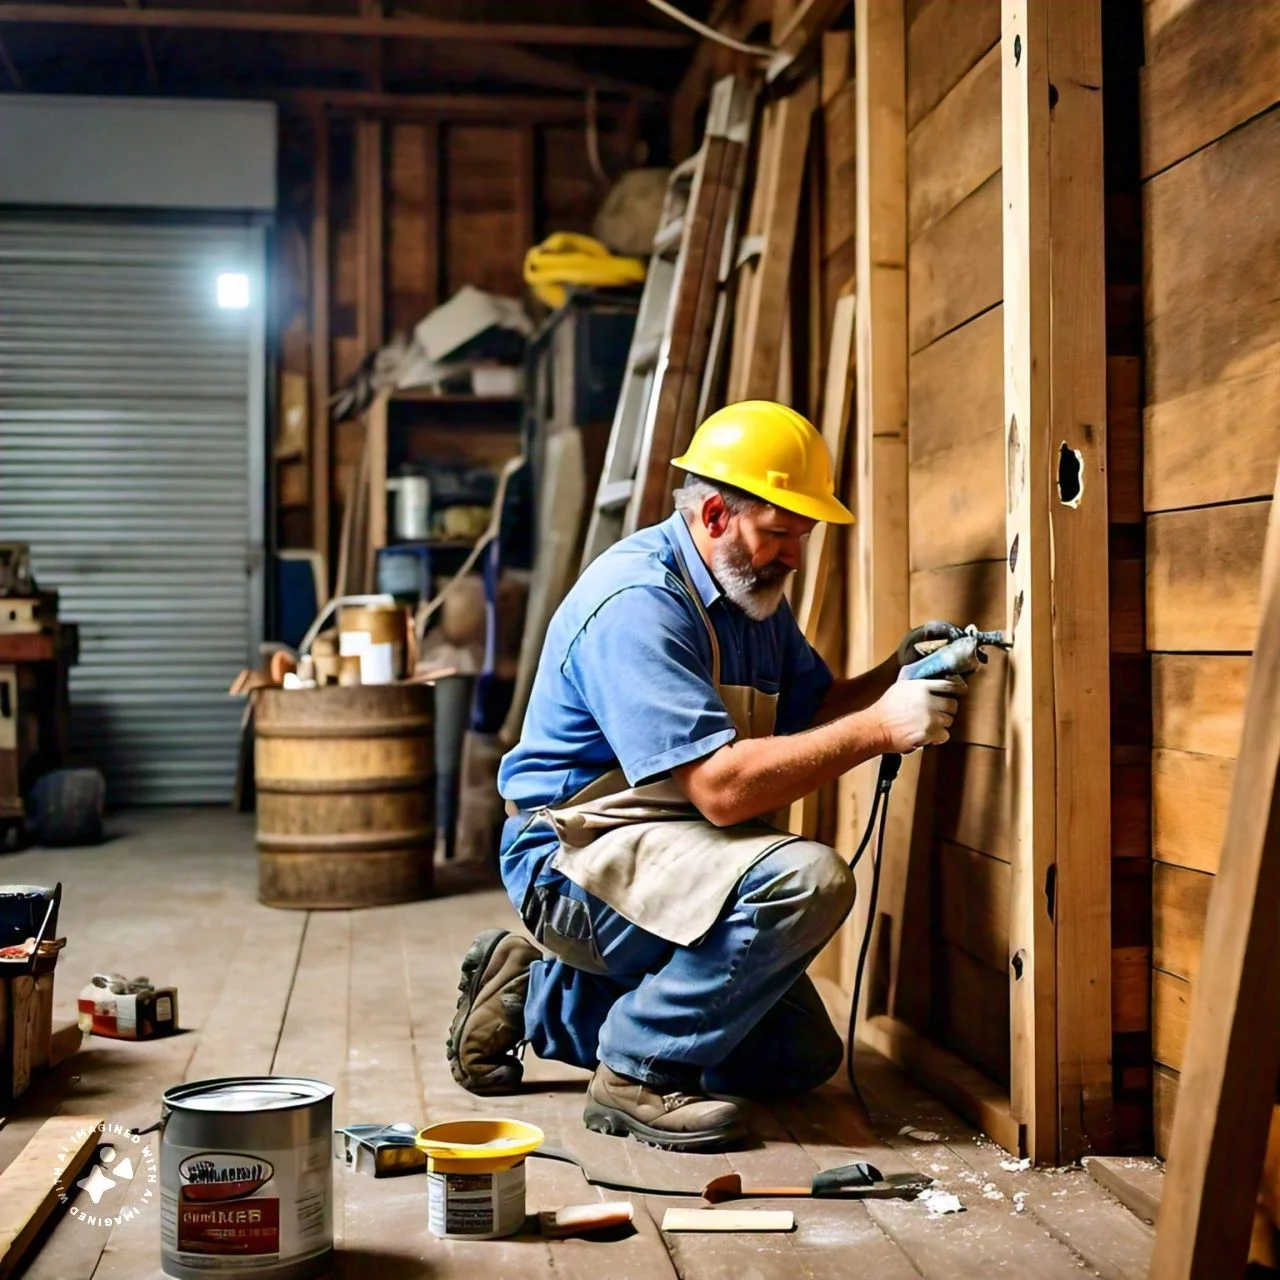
(647,851)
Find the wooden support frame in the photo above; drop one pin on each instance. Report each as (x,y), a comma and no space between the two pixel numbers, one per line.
(321,433)
(1058,720)
(1228,1083)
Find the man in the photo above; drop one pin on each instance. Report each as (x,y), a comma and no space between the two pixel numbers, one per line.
(676,707)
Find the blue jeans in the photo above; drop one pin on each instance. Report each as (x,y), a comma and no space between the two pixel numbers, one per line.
(733,1014)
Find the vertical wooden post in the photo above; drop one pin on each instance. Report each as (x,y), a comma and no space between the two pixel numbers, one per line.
(1056,540)
(320,433)
(879,585)
(1233,1046)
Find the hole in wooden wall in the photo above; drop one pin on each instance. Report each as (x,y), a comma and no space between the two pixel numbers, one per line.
(1070,475)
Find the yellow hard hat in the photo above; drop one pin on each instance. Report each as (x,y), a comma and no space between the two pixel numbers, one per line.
(771,452)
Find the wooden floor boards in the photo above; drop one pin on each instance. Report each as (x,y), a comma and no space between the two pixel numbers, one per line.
(364,999)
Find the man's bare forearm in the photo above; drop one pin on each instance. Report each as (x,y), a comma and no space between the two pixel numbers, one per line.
(752,777)
(857,693)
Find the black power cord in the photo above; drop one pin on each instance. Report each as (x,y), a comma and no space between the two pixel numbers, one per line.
(889,766)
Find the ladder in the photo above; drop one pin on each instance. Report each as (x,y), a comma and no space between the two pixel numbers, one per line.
(662,383)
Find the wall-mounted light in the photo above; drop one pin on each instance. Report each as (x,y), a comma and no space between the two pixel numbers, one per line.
(233,290)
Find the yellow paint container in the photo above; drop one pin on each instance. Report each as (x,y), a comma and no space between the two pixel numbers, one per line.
(475,1177)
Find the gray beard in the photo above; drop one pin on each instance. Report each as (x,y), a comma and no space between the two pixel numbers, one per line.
(756,592)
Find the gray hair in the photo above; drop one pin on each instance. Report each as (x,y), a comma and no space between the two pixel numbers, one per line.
(695,491)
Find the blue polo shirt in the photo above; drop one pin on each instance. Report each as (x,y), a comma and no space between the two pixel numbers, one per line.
(625,680)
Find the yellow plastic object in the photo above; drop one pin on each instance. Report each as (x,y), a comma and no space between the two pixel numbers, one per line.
(566,257)
(477,1146)
(771,451)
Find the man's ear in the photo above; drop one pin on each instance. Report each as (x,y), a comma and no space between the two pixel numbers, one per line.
(715,515)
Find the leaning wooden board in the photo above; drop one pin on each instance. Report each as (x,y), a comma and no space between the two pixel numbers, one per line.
(32,1187)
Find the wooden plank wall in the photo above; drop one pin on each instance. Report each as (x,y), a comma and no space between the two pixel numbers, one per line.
(1211,423)
(956,492)
(458,208)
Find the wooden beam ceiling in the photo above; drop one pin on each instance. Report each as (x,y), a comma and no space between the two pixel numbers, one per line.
(353,27)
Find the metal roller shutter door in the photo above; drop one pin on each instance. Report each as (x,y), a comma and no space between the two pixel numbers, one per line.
(130,459)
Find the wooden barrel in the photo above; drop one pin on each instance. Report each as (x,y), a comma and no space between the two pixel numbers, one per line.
(346,795)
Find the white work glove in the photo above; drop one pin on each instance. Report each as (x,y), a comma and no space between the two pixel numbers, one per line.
(917,713)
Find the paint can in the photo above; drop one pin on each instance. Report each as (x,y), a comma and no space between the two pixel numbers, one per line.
(475,1177)
(246,1179)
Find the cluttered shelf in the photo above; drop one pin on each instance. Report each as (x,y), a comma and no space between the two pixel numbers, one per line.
(436,606)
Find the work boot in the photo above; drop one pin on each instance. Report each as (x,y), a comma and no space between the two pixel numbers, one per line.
(489,1024)
(660,1116)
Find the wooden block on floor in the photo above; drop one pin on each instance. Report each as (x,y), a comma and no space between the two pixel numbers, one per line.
(30,1186)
